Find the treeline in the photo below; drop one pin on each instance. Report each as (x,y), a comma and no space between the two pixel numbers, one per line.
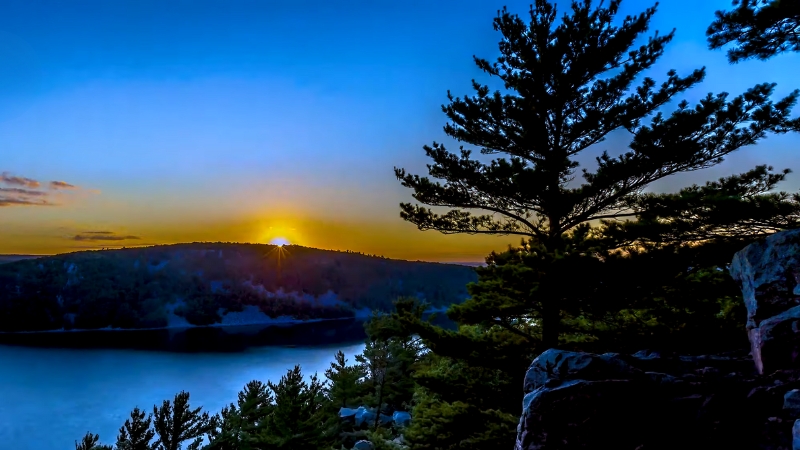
(292,413)
(134,288)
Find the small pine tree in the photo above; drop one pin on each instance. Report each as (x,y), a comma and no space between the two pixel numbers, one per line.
(344,382)
(345,389)
(237,428)
(176,423)
(136,433)
(89,442)
(296,420)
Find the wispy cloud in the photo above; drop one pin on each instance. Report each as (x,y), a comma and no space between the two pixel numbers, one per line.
(110,246)
(19,201)
(7,178)
(25,191)
(103,236)
(22,192)
(62,185)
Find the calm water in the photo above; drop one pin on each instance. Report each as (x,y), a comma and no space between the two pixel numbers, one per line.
(50,397)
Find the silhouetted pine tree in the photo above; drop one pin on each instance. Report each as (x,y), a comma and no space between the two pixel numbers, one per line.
(176,423)
(136,433)
(89,442)
(296,422)
(759,28)
(565,88)
(344,389)
(237,428)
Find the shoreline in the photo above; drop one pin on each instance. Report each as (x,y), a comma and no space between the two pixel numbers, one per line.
(186,326)
(182,327)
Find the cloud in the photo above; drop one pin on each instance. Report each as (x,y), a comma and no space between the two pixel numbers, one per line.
(102,236)
(62,185)
(25,191)
(19,201)
(22,192)
(7,178)
(111,246)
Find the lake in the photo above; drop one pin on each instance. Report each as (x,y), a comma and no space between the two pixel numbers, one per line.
(58,386)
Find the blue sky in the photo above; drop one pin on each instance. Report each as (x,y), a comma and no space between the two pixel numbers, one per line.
(242,120)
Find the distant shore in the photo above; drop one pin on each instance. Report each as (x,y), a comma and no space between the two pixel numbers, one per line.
(361,315)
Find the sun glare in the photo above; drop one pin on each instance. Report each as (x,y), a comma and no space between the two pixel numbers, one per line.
(279,241)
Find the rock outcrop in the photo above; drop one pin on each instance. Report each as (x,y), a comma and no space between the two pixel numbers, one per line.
(769,274)
(647,401)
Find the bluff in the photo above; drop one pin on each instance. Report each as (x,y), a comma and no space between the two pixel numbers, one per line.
(216,283)
(647,400)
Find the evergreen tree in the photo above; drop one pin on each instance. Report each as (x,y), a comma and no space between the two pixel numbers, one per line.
(296,420)
(89,442)
(389,357)
(238,427)
(176,423)
(344,382)
(227,434)
(136,433)
(759,28)
(566,87)
(375,360)
(345,389)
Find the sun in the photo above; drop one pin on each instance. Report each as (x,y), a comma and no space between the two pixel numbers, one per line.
(280,241)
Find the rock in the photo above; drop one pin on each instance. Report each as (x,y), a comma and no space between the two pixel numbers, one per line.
(576,400)
(791,402)
(400,441)
(359,415)
(554,366)
(796,435)
(363,415)
(364,445)
(347,413)
(579,400)
(401,418)
(769,274)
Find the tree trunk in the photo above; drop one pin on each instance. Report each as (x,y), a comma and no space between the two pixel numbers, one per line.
(551,309)
(380,402)
(550,323)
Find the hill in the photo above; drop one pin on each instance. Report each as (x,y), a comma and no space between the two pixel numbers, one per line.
(11,258)
(212,284)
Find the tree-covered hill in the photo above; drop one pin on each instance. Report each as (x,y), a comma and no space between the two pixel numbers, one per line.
(212,283)
(11,258)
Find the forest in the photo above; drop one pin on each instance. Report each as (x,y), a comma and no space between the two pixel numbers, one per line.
(602,266)
(133,288)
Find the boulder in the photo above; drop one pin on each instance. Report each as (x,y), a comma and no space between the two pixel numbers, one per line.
(555,366)
(579,400)
(769,274)
(796,435)
(401,418)
(575,400)
(791,402)
(346,413)
(364,445)
(362,416)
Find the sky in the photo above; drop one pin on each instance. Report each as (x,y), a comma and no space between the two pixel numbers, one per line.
(250,121)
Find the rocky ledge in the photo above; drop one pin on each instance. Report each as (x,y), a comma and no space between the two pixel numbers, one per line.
(649,401)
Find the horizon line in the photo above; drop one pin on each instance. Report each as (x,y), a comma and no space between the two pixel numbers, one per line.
(101,249)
